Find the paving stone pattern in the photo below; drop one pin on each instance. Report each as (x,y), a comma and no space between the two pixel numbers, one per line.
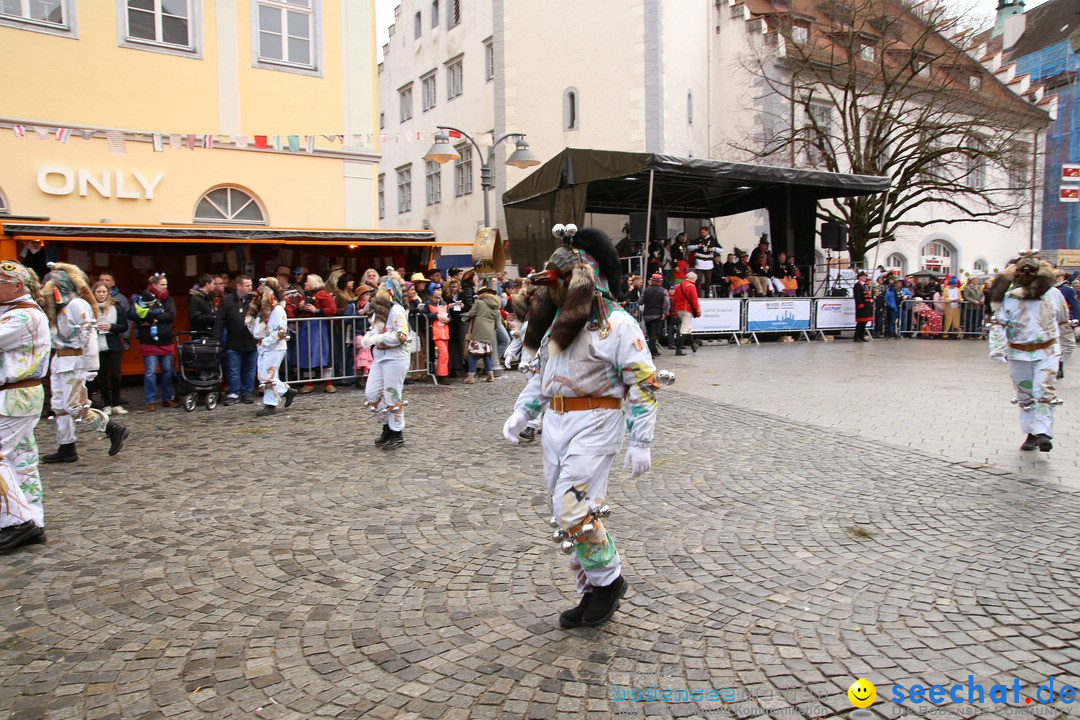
(224,566)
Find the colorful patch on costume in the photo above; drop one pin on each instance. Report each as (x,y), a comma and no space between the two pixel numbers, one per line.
(594,556)
(575,506)
(639,344)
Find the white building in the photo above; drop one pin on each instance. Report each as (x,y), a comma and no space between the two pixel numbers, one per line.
(636,75)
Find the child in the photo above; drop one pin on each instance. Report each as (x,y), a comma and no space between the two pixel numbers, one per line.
(440,331)
(362,358)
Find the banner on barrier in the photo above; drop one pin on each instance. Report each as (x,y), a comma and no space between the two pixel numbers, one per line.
(779,314)
(835,314)
(718,315)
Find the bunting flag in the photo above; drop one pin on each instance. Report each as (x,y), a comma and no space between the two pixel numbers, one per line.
(117,145)
(453,133)
(189,142)
(275,143)
(260,142)
(208,142)
(309,144)
(294,143)
(87,134)
(158,141)
(331,138)
(19,130)
(42,133)
(240,141)
(63,135)
(176,141)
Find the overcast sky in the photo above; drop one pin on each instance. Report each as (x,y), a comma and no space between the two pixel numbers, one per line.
(384,13)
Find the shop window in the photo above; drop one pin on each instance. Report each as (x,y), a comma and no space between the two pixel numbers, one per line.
(160,25)
(56,17)
(286,37)
(229,205)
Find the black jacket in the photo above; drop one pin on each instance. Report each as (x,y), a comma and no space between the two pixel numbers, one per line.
(200,311)
(230,319)
(652,302)
(163,320)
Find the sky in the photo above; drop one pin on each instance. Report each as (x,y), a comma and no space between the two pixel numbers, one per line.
(384,14)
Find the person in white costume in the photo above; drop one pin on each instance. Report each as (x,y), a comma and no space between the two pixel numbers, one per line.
(24,363)
(72,310)
(388,338)
(595,373)
(268,324)
(1030,330)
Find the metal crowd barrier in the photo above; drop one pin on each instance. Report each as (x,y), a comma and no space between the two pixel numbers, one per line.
(937,318)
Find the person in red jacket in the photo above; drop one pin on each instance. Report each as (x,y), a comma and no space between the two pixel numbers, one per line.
(864,307)
(686,305)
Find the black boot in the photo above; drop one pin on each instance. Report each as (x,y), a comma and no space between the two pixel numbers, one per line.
(604,603)
(290,395)
(693,345)
(385,437)
(18,535)
(528,434)
(117,435)
(572,618)
(266,411)
(678,345)
(66,453)
(1061,370)
(1044,443)
(1031,442)
(396,440)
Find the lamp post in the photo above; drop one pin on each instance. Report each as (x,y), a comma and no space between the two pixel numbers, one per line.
(443,152)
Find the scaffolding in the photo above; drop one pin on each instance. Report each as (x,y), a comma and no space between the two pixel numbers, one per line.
(1057,68)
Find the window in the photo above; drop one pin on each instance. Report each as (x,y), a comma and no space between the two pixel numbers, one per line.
(817,133)
(689,107)
(382,121)
(404,189)
(168,23)
(897,261)
(286,32)
(489,60)
(229,205)
(867,53)
(1019,159)
(800,33)
(453,14)
(433,182)
(427,84)
(50,16)
(405,102)
(463,170)
(455,79)
(382,195)
(418,25)
(974,82)
(435,13)
(570,109)
(976,165)
(937,255)
(980,266)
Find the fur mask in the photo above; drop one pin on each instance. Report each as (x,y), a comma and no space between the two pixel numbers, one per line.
(64,283)
(265,297)
(1005,282)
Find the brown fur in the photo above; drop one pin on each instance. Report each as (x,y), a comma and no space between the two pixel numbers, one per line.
(577,308)
(383,302)
(47,299)
(1045,279)
(542,311)
(260,302)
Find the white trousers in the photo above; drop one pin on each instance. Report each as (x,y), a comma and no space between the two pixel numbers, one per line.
(384,388)
(579,449)
(20,484)
(70,403)
(513,352)
(1034,385)
(775,284)
(266,367)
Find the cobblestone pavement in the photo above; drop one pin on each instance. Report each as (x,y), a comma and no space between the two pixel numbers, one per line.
(227,567)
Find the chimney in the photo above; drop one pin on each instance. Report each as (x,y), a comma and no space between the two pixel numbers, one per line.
(1007,9)
(1012,31)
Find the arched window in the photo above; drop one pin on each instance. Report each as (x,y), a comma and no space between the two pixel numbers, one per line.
(938,255)
(434,13)
(980,267)
(418,25)
(229,205)
(690,107)
(898,261)
(571,117)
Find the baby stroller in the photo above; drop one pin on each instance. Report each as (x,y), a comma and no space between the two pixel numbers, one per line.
(200,369)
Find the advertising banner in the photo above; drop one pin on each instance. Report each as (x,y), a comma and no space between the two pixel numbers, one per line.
(719,315)
(834,314)
(778,315)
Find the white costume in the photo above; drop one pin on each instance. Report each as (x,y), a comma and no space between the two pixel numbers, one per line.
(1032,335)
(272,337)
(390,353)
(24,356)
(76,363)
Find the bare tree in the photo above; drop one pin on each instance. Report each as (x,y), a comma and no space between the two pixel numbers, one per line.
(876,87)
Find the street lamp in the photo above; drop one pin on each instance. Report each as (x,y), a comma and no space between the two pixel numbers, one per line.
(443,152)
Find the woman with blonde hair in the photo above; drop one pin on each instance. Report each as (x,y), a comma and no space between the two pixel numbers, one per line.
(312,354)
(112,324)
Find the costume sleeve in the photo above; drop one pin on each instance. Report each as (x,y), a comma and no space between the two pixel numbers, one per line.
(531,399)
(15,330)
(998,335)
(639,375)
(397,328)
(276,328)
(1066,333)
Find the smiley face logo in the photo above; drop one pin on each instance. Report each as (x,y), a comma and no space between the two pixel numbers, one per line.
(861,693)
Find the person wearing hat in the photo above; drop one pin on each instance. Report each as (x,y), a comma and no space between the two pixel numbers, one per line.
(283,276)
(362,358)
(952,298)
(655,304)
(24,363)
(864,307)
(1030,331)
(420,283)
(480,340)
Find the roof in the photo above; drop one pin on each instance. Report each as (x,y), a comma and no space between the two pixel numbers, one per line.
(618,183)
(1048,24)
(210,234)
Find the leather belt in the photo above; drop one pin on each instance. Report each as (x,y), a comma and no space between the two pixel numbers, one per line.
(29,382)
(1031,347)
(561,404)
(68,352)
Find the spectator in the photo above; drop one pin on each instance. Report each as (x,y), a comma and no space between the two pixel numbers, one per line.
(458,308)
(283,277)
(241,350)
(893,301)
(654,308)
(483,317)
(705,250)
(200,306)
(112,325)
(973,315)
(362,357)
(952,297)
(760,267)
(434,277)
(123,306)
(864,307)
(761,251)
(439,322)
(737,275)
(685,302)
(341,284)
(370,278)
(313,336)
(785,276)
(679,255)
(420,283)
(154,313)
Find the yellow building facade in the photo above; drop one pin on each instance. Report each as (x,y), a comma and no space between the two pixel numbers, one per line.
(192,136)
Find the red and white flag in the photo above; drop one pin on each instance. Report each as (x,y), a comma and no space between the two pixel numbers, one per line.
(208,142)
(260,142)
(453,133)
(117,145)
(63,135)
(19,130)
(1070,193)
(1070,172)
(189,142)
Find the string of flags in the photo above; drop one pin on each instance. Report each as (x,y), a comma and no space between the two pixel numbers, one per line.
(117,140)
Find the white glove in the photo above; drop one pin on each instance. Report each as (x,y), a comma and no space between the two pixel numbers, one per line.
(1000,359)
(369,341)
(513,426)
(639,458)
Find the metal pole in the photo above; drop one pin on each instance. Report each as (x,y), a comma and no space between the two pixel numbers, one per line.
(1034,185)
(881,233)
(648,225)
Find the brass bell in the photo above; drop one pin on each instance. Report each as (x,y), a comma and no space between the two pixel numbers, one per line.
(567,547)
